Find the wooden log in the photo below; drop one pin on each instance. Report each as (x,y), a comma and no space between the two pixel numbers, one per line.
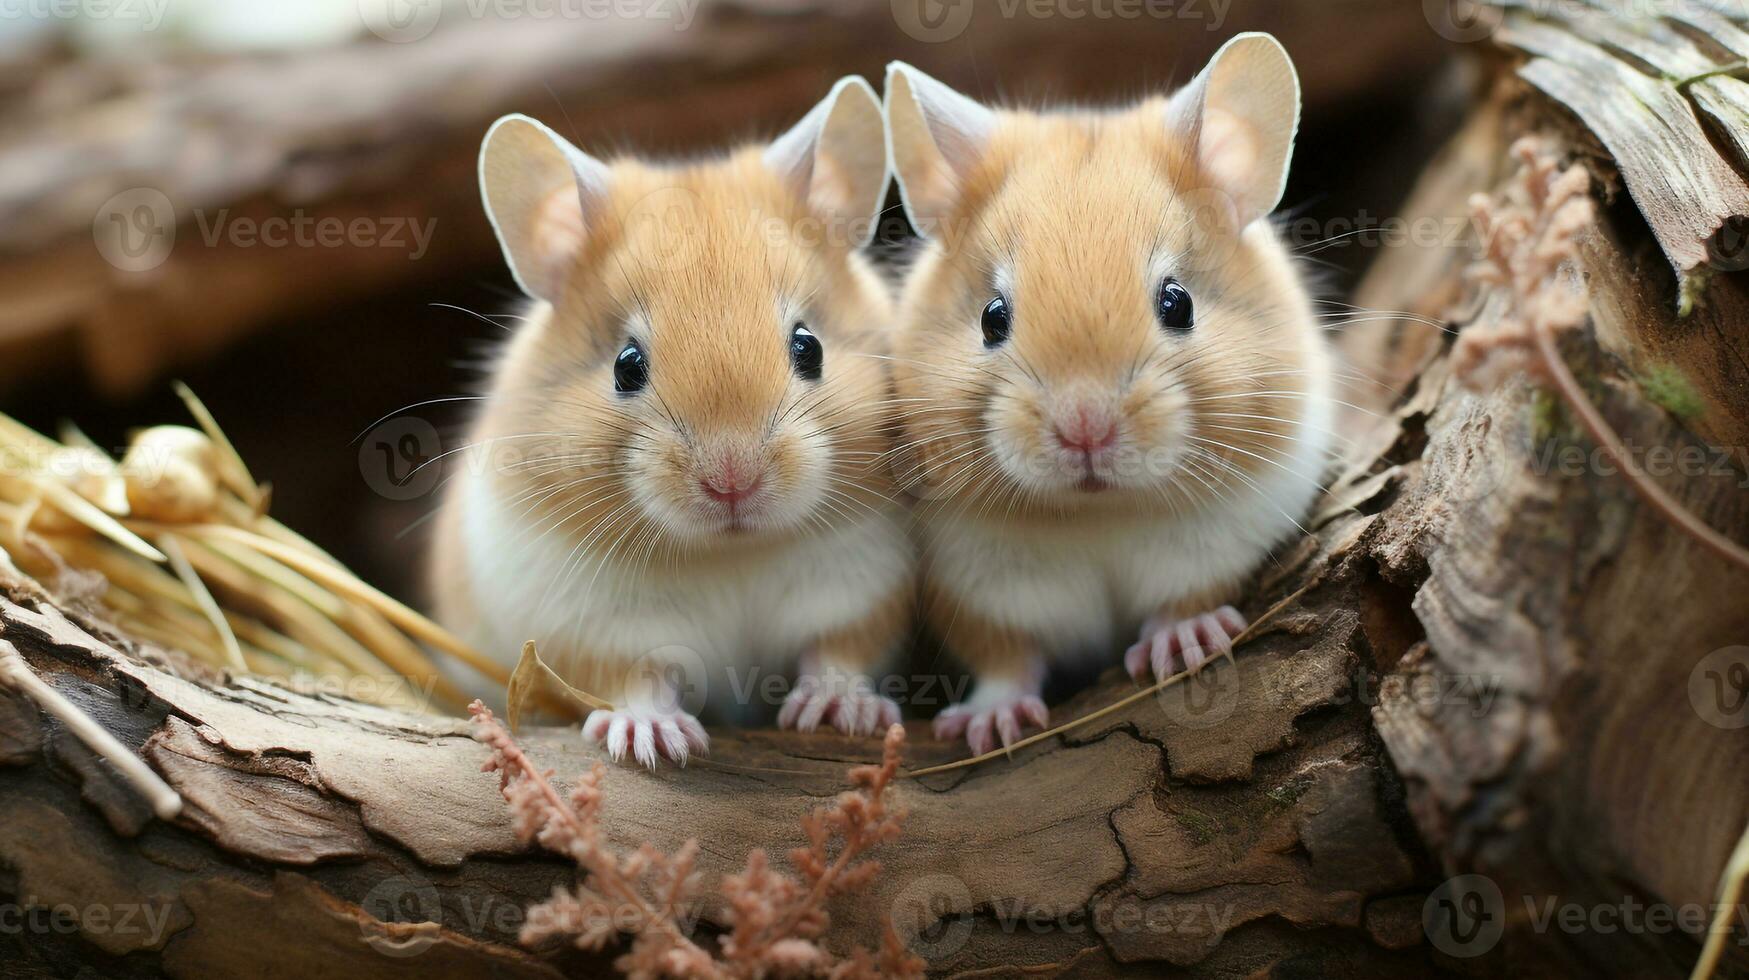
(1206,832)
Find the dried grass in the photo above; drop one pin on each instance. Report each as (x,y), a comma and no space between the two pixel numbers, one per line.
(174,546)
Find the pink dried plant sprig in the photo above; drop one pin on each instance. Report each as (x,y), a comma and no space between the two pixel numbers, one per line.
(1529,235)
(776,919)
(770,906)
(610,900)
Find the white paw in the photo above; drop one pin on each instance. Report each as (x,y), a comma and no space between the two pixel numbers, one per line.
(996,711)
(1171,646)
(846,701)
(649,733)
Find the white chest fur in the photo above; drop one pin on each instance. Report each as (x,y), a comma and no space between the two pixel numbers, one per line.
(1084,586)
(763,610)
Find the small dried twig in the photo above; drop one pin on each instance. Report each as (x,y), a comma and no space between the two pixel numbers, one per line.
(777,919)
(16,674)
(1605,436)
(203,599)
(1730,893)
(1118,705)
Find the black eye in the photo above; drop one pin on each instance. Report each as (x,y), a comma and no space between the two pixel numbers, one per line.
(631,370)
(1173,307)
(995,322)
(806,353)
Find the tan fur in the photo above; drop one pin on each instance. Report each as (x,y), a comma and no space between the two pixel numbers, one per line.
(861,647)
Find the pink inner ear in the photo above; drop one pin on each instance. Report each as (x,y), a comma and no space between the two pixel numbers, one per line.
(833,187)
(555,231)
(1229,152)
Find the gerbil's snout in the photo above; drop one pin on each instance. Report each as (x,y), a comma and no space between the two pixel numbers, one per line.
(1085,427)
(1084,432)
(1090,433)
(732,479)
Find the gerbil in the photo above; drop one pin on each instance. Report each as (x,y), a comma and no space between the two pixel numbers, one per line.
(678,469)
(1117,395)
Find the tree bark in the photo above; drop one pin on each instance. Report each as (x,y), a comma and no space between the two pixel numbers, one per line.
(1483,663)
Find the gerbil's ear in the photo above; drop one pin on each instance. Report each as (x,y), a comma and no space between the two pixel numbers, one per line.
(539,192)
(934,136)
(835,158)
(1241,113)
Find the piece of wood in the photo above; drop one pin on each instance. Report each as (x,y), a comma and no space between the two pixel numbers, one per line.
(1539,576)
(1277,824)
(1641,86)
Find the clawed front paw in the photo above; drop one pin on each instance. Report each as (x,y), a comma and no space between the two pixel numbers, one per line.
(650,733)
(846,701)
(1171,646)
(999,714)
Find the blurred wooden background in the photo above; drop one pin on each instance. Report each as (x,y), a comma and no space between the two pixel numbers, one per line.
(298,349)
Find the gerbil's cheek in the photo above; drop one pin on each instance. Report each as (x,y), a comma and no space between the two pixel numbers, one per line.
(1015,437)
(656,477)
(800,466)
(1161,425)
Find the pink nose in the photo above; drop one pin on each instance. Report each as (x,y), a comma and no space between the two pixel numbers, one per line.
(1087,431)
(730,488)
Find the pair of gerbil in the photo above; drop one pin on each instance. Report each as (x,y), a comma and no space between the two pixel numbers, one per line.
(718,442)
